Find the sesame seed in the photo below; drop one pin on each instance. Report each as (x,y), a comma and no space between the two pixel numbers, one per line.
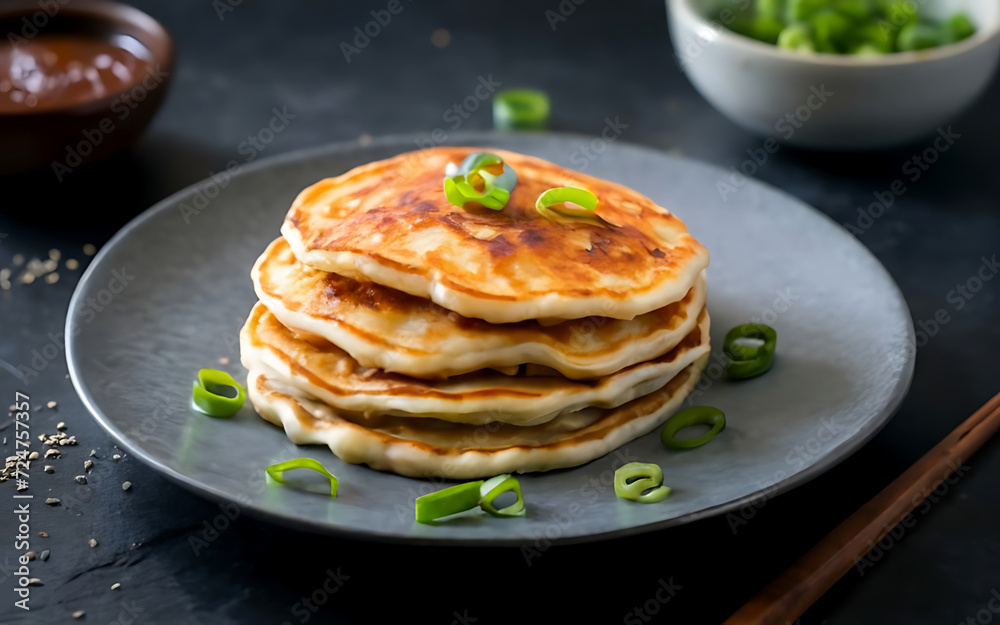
(126,485)
(49,468)
(30,555)
(18,260)
(52,501)
(116,457)
(89,249)
(34,581)
(78,614)
(53,404)
(72,264)
(62,424)
(92,542)
(223,361)
(115,586)
(33,455)
(80,479)
(27,278)
(93,453)
(52,453)
(44,555)
(55,254)
(52,278)
(88,465)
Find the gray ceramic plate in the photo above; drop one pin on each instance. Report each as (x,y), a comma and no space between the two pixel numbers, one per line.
(168,295)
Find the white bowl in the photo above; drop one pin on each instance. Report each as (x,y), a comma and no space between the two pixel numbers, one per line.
(830,101)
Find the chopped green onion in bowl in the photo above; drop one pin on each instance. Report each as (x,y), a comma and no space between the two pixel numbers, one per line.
(854,27)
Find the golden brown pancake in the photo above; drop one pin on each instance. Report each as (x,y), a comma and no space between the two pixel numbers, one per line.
(430,448)
(389,222)
(384,328)
(320,369)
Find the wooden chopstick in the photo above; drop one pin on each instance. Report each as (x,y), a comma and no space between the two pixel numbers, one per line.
(791,593)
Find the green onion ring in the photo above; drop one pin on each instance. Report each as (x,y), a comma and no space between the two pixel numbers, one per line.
(521,109)
(447,502)
(207,397)
(747,361)
(645,477)
(496,177)
(560,195)
(493,488)
(276,471)
(698,415)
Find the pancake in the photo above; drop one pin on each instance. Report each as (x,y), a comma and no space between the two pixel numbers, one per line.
(431,448)
(389,222)
(384,328)
(322,370)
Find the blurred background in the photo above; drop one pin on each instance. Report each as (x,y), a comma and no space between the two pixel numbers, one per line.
(606,65)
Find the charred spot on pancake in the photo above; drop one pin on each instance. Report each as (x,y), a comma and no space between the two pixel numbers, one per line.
(369,295)
(420,207)
(531,238)
(499,246)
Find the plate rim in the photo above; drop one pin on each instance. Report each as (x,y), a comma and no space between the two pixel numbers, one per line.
(835,456)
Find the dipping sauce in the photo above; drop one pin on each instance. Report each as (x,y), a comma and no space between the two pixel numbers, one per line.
(52,71)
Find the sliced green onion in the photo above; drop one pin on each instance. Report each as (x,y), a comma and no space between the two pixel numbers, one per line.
(635,478)
(521,109)
(830,31)
(276,471)
(698,415)
(958,27)
(211,397)
(449,501)
(747,361)
(796,37)
(920,37)
(560,195)
(493,488)
(482,178)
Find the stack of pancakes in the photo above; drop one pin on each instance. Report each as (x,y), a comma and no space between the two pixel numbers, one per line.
(430,340)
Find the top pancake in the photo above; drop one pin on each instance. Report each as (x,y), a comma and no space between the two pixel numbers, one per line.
(389,222)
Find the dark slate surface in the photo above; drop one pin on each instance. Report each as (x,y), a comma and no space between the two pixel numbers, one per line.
(607,60)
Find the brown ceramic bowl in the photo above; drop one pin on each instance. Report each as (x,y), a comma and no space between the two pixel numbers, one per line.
(94,129)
